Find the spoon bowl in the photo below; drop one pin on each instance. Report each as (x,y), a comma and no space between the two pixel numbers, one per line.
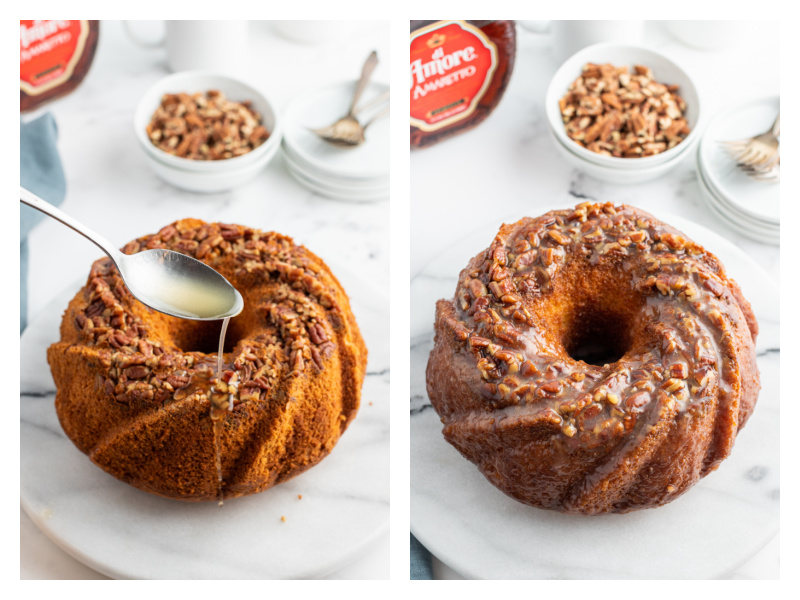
(164,280)
(179,285)
(347,132)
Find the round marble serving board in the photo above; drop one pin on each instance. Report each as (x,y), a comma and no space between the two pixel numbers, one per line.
(128,534)
(483,534)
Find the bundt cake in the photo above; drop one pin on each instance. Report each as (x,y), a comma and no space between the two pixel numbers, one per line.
(134,385)
(594,360)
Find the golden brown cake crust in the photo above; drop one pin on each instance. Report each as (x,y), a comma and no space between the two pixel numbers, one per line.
(133,384)
(634,431)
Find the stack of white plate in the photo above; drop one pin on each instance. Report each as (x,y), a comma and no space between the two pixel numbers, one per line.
(748,206)
(356,174)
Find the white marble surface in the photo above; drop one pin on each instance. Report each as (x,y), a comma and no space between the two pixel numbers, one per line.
(508,167)
(112,189)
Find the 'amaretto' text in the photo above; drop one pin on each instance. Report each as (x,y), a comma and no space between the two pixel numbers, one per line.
(440,64)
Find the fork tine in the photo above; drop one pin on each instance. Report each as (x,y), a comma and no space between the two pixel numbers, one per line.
(758,157)
(733,149)
(761,160)
(752,155)
(771,162)
(762,175)
(738,144)
(734,143)
(736,155)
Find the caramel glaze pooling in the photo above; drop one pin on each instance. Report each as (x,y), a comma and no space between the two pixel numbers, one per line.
(294,371)
(559,433)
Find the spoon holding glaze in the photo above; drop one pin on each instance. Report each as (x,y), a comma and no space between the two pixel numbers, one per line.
(164,280)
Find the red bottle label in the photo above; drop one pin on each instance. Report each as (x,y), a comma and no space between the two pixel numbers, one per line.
(452,64)
(48,53)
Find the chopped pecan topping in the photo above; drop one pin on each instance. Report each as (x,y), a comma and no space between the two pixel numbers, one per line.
(687,319)
(299,319)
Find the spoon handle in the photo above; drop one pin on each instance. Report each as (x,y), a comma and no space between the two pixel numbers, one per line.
(366,73)
(383,113)
(34,201)
(374,102)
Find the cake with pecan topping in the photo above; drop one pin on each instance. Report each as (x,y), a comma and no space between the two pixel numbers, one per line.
(594,360)
(134,385)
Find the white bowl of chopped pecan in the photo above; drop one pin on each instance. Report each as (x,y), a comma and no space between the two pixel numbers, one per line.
(206,132)
(624,107)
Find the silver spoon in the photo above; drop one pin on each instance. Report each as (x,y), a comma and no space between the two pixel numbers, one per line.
(349,142)
(348,130)
(166,281)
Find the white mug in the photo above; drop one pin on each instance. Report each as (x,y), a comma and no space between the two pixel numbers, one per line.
(570,36)
(709,35)
(219,46)
(314,32)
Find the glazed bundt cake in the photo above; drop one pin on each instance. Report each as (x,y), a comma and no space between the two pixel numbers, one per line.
(594,360)
(134,385)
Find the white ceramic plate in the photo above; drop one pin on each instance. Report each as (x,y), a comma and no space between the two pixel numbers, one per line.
(753,229)
(328,180)
(342,185)
(734,211)
(483,534)
(333,193)
(760,200)
(321,107)
(753,233)
(128,534)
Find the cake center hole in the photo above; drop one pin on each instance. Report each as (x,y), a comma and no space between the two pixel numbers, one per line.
(203,336)
(598,337)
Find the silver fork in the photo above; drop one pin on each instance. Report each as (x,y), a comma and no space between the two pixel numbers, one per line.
(771,174)
(759,155)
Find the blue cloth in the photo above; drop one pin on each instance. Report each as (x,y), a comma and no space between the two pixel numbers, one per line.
(421,562)
(40,172)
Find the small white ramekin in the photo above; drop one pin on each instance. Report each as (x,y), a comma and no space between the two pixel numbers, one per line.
(664,71)
(612,175)
(206,176)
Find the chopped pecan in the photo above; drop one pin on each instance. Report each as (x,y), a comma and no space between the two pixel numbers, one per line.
(611,111)
(205,126)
